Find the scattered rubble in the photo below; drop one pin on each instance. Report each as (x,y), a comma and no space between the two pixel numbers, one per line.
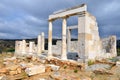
(54,67)
(35,70)
(103,72)
(69,63)
(98,66)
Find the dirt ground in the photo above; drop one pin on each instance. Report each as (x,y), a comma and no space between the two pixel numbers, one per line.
(64,73)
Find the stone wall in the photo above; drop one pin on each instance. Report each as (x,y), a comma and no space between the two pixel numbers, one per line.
(89,44)
(108,47)
(56,49)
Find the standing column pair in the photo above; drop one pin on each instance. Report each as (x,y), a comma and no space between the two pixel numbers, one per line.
(64,50)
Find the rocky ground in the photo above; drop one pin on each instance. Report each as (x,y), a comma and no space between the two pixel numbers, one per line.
(41,68)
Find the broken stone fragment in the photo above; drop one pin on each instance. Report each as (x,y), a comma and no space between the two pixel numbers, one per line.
(85,78)
(103,72)
(54,67)
(10,59)
(3,70)
(35,70)
(26,65)
(41,79)
(3,78)
(118,63)
(13,72)
(13,67)
(19,70)
(48,69)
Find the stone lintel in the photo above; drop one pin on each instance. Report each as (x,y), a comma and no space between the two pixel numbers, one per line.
(73,27)
(68,12)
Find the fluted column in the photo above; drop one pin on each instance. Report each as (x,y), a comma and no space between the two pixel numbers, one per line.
(50,39)
(64,52)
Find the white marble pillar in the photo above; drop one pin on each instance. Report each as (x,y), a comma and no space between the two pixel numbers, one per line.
(64,52)
(50,39)
(39,45)
(23,47)
(43,41)
(20,47)
(31,48)
(16,46)
(68,40)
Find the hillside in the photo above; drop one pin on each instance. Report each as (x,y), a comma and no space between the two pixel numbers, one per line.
(7,45)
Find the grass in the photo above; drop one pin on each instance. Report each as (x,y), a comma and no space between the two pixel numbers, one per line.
(90,62)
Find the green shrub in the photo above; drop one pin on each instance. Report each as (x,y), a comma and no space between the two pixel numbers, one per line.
(91,62)
(65,67)
(9,50)
(118,51)
(75,71)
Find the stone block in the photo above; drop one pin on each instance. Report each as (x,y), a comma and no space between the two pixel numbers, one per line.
(19,70)
(26,65)
(3,78)
(88,36)
(3,70)
(54,67)
(37,69)
(10,59)
(12,68)
(118,63)
(92,26)
(41,79)
(13,72)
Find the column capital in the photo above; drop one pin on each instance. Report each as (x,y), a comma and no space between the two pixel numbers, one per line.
(51,20)
(65,17)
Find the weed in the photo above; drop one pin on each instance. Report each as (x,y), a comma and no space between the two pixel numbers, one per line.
(75,71)
(90,62)
(65,67)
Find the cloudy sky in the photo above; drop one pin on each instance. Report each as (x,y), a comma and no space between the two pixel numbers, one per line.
(27,18)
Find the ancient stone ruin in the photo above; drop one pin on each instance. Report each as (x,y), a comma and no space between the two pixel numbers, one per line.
(89,45)
(22,48)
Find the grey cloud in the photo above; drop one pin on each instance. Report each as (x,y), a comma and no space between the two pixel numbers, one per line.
(27,18)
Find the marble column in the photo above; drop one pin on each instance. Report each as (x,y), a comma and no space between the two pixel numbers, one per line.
(50,39)
(68,40)
(16,46)
(39,45)
(31,47)
(43,41)
(23,47)
(64,52)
